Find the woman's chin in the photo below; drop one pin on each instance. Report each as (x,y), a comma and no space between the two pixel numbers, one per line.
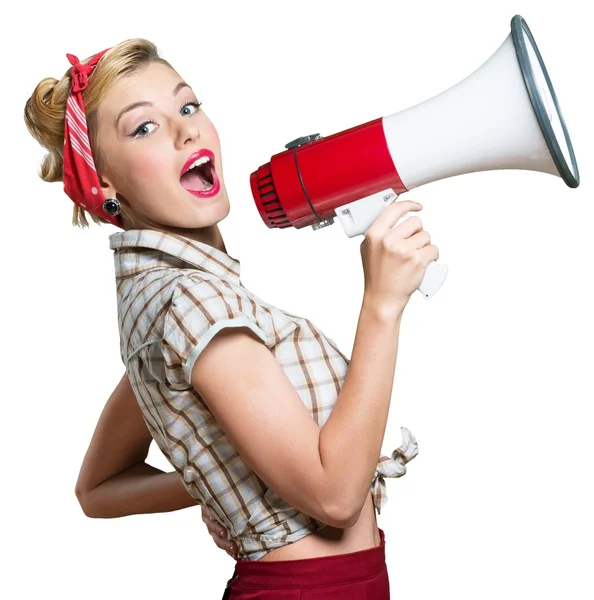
(217,206)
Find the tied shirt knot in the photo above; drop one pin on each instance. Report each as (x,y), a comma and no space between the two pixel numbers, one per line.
(393,467)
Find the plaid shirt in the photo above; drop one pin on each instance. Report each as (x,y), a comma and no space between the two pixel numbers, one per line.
(173,295)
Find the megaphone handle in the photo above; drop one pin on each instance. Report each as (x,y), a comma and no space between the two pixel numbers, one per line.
(356,218)
(435,275)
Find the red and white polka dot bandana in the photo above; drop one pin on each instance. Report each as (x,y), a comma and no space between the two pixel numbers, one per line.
(81,182)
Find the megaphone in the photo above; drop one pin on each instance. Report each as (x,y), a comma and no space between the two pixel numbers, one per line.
(505,115)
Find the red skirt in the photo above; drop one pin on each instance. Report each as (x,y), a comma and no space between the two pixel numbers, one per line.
(355,576)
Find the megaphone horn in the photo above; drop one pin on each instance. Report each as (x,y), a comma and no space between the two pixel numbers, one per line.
(505,115)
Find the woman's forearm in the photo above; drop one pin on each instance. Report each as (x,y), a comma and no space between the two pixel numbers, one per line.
(351,439)
(141,489)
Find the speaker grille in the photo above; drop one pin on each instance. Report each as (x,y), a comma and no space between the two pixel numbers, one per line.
(269,206)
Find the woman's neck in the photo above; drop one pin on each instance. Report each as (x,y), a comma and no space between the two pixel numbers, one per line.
(207,235)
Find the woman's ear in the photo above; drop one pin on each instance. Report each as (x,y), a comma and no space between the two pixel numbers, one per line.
(107,182)
(107,186)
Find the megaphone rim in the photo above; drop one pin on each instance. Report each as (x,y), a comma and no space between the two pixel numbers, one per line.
(518,26)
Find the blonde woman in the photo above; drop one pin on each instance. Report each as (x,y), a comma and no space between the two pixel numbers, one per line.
(251,405)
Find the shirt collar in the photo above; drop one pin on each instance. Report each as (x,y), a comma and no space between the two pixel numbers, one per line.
(173,249)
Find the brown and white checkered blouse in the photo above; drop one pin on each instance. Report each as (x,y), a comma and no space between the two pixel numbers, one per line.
(173,295)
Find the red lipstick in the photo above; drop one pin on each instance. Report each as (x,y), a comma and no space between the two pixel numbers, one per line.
(216,184)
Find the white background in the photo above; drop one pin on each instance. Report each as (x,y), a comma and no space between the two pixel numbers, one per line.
(494,374)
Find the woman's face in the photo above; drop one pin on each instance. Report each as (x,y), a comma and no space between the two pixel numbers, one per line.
(147,146)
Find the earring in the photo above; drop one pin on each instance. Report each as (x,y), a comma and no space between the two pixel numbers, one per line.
(112,206)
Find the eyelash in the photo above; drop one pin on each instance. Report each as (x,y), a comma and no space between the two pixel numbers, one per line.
(196,104)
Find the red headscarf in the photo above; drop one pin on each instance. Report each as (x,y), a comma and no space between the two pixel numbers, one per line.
(81,182)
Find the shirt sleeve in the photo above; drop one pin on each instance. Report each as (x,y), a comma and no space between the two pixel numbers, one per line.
(199,309)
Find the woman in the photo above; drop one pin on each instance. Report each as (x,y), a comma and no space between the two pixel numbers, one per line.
(250,404)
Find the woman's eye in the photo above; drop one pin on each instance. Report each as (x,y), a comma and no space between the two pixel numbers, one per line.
(195,105)
(143,129)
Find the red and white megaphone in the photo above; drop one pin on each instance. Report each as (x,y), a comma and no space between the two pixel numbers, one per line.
(505,115)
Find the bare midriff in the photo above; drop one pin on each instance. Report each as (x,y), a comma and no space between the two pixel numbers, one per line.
(329,541)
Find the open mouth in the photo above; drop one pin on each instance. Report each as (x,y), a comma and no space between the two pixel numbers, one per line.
(200,176)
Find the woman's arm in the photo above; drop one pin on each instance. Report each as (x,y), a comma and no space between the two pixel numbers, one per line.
(114,480)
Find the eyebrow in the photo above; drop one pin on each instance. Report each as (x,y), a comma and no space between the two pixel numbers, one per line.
(176,89)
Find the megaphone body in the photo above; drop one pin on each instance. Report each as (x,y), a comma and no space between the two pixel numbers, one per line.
(503,116)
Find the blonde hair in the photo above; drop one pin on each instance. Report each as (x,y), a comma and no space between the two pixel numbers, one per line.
(45,111)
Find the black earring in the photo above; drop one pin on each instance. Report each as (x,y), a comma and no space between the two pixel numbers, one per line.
(112,206)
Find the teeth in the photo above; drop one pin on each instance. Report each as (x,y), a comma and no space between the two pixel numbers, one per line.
(198,162)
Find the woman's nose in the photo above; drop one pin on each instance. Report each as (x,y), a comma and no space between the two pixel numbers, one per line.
(188,132)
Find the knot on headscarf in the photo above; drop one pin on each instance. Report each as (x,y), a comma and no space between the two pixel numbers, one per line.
(79,73)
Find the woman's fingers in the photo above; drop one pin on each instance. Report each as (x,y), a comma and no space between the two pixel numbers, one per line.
(214,528)
(219,533)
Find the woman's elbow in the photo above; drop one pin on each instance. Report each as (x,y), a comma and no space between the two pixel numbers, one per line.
(84,498)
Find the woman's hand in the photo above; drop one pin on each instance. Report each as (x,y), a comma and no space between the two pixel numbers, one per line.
(218,532)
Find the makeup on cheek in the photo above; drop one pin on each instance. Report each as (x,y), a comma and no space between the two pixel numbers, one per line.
(147,169)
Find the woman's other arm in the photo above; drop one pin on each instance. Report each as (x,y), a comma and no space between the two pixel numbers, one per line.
(114,480)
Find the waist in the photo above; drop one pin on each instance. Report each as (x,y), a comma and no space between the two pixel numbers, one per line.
(311,572)
(331,541)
